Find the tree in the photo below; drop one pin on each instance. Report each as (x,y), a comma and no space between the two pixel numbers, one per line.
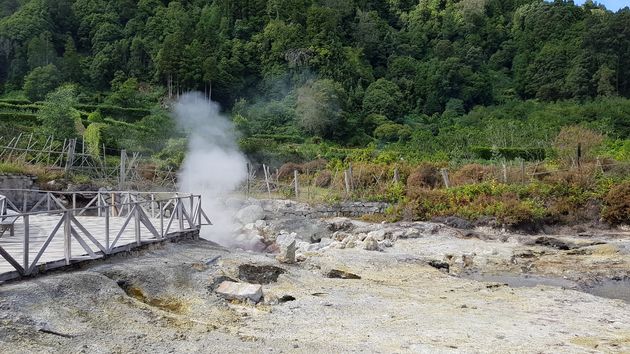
(41,51)
(41,81)
(71,62)
(320,107)
(58,116)
(383,97)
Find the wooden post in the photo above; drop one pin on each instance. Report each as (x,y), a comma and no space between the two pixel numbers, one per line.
(74,203)
(136,216)
(248,173)
(161,219)
(523,171)
(267,180)
(123,170)
(579,156)
(505,178)
(346,179)
(26,243)
(444,172)
(107,211)
(396,175)
(297,187)
(67,237)
(308,185)
(351,177)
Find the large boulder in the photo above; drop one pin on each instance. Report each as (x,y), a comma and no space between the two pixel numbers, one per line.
(287,246)
(250,214)
(240,291)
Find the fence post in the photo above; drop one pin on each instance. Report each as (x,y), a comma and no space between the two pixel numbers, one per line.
(26,245)
(522,171)
(505,178)
(123,169)
(396,175)
(136,216)
(248,169)
(346,179)
(297,187)
(107,211)
(267,180)
(161,219)
(579,156)
(444,172)
(67,237)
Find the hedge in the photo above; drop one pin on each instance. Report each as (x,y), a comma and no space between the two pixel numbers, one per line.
(19,117)
(529,154)
(129,115)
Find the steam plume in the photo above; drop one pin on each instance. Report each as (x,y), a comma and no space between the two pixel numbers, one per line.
(214,167)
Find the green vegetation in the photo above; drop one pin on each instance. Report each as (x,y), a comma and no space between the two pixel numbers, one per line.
(374,82)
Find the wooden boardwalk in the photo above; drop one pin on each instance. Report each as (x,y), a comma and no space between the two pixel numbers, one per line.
(42,225)
(41,241)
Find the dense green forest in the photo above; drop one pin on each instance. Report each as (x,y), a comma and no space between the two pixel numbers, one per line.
(421,80)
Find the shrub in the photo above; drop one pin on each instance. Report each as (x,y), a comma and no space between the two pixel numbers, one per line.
(424,176)
(617,205)
(315,165)
(323,179)
(286,171)
(472,173)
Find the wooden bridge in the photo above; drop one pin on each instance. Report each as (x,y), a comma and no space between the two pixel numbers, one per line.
(42,230)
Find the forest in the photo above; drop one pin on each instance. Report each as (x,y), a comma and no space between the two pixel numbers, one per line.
(429,79)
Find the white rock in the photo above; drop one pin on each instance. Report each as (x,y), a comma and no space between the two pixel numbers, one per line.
(370,244)
(361,237)
(250,214)
(351,244)
(340,235)
(240,291)
(325,242)
(287,245)
(378,235)
(385,243)
(249,227)
(260,224)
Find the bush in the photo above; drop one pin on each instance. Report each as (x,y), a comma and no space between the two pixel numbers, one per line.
(617,205)
(472,173)
(42,80)
(489,153)
(323,179)
(424,176)
(19,118)
(286,171)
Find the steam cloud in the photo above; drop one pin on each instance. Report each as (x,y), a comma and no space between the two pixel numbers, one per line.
(214,167)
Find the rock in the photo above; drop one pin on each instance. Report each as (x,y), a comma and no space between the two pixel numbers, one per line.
(440,265)
(300,257)
(468,260)
(287,245)
(249,214)
(371,244)
(240,291)
(260,224)
(325,242)
(378,235)
(455,222)
(385,243)
(341,274)
(351,244)
(340,224)
(340,236)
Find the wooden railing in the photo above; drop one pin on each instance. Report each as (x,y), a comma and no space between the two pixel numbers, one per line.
(101,226)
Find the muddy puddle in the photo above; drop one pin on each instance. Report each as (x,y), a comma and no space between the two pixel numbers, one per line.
(609,288)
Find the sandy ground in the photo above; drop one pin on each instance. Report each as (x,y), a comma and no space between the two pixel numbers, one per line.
(162,301)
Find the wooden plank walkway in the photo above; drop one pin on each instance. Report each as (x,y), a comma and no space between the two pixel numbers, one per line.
(42,225)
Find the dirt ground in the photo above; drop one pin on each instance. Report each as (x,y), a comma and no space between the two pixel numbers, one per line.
(163,301)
